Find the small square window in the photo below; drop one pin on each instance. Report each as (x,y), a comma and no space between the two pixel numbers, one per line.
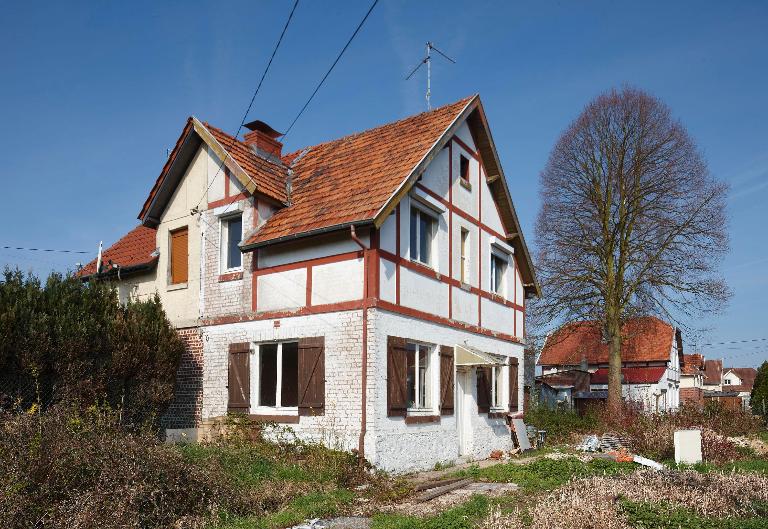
(231,236)
(464,168)
(498,269)
(423,228)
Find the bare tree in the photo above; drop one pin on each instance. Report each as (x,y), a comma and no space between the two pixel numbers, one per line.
(631,222)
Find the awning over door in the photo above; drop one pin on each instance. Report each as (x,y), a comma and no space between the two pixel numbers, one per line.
(466,355)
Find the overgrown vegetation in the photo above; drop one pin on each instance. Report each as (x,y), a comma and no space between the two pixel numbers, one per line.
(65,341)
(464,516)
(645,515)
(546,473)
(561,424)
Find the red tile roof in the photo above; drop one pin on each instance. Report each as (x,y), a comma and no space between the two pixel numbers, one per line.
(631,375)
(747,376)
(693,364)
(269,176)
(713,372)
(352,178)
(646,339)
(133,249)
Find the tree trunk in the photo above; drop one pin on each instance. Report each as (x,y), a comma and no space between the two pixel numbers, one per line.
(614,366)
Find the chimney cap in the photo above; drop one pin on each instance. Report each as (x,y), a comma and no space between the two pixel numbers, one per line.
(262,127)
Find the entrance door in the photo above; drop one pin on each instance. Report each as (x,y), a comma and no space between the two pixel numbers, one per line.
(463,409)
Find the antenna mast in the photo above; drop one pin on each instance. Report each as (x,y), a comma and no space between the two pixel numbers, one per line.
(428,61)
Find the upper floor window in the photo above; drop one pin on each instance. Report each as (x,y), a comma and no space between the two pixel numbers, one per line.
(179,258)
(419,374)
(498,269)
(728,381)
(464,168)
(423,228)
(231,235)
(464,255)
(278,376)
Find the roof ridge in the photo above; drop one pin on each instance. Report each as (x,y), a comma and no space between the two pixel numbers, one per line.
(377,127)
(244,145)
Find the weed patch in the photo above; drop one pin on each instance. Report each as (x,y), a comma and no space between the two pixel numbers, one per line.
(464,516)
(644,515)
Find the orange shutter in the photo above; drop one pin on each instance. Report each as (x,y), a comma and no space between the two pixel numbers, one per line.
(179,256)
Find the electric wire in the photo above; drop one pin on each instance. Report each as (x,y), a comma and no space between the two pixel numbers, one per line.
(42,250)
(317,88)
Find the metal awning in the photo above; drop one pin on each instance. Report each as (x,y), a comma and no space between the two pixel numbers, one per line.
(465,355)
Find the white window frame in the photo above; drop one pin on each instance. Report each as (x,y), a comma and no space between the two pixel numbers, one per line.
(499,375)
(424,210)
(431,383)
(503,283)
(224,242)
(256,407)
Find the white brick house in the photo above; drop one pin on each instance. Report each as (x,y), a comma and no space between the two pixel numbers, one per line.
(369,291)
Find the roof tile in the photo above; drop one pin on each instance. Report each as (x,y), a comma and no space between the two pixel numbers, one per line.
(133,249)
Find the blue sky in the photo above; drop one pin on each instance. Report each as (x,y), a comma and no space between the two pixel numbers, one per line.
(92,95)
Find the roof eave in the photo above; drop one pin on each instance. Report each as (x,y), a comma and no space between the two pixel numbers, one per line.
(301,235)
(124,271)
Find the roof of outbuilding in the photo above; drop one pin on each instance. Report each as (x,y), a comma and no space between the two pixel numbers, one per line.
(631,375)
(646,339)
(350,179)
(132,250)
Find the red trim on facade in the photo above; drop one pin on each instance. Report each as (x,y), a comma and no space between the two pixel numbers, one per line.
(480,244)
(287,313)
(460,212)
(231,276)
(407,311)
(433,274)
(466,147)
(254,286)
(348,256)
(227,200)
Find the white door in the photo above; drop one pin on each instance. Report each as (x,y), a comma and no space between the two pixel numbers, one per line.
(463,408)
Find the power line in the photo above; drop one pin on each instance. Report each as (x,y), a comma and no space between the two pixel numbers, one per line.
(359,26)
(731,342)
(41,250)
(250,105)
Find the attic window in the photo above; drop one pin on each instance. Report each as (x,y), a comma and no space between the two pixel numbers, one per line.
(464,170)
(231,235)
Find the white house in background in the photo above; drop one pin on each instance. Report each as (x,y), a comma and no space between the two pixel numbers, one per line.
(651,359)
(740,379)
(368,291)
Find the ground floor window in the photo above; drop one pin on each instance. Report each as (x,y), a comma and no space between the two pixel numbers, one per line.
(278,376)
(419,375)
(492,380)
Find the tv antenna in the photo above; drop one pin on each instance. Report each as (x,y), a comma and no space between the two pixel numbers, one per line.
(428,61)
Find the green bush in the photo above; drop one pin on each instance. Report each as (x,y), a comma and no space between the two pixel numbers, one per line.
(65,340)
(560,424)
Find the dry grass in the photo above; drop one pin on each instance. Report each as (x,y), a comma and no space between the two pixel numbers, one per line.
(596,502)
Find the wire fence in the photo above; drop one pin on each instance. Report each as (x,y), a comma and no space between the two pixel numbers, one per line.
(21,395)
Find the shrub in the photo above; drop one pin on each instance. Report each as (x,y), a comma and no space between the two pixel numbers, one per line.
(560,424)
(72,468)
(66,340)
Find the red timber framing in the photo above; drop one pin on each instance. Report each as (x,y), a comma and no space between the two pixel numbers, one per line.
(228,197)
(371,274)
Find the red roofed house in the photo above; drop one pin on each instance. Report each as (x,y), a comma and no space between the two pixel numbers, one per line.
(651,359)
(368,291)
(740,379)
(692,379)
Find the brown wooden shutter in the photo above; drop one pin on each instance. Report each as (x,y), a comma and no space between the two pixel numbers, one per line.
(179,256)
(312,376)
(513,386)
(239,380)
(446,380)
(397,374)
(484,389)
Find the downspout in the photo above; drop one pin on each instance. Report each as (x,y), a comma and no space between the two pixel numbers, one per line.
(364,370)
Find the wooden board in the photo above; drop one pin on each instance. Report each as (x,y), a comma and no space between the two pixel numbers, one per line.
(521,434)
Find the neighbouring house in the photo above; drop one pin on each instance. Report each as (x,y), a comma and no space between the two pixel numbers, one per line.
(741,380)
(368,291)
(651,359)
(692,380)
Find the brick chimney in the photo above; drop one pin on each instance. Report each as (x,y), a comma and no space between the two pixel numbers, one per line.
(263,140)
